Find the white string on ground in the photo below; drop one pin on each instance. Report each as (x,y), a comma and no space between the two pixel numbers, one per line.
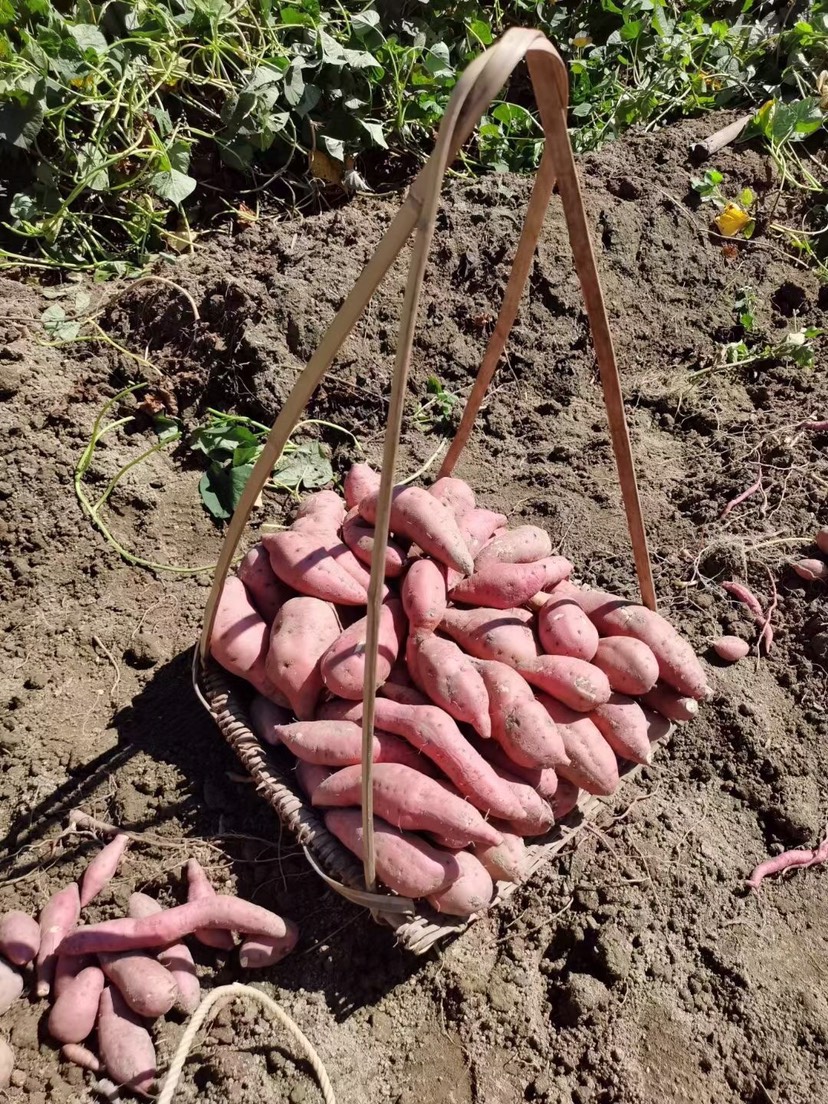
(223,994)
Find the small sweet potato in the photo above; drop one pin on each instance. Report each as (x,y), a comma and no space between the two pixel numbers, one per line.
(125,1044)
(359,537)
(471,892)
(176,958)
(811,570)
(424,595)
(504,635)
(72,1017)
(67,969)
(80,1056)
(303,631)
(446,674)
(11,986)
(433,732)
(506,861)
(565,630)
(675,707)
(360,481)
(520,724)
(343,665)
(628,663)
(526,544)
(19,937)
(200,889)
(257,952)
(730,648)
(612,616)
(565,800)
(239,639)
(267,593)
(576,683)
(323,509)
(479,526)
(592,766)
(339,744)
(407,799)
(456,494)
(536,815)
(6,1064)
(821,538)
(59,916)
(499,585)
(622,723)
(100,871)
(420,517)
(145,985)
(405,862)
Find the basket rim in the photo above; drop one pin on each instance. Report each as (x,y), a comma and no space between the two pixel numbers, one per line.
(416,929)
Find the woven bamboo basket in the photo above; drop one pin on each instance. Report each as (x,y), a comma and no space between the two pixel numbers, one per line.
(417,928)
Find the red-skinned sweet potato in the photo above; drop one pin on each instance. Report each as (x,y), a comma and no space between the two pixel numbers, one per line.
(313,562)
(504,635)
(592,763)
(303,631)
(267,593)
(456,494)
(470,893)
(520,724)
(506,861)
(526,544)
(200,889)
(405,862)
(125,1044)
(622,723)
(499,585)
(566,799)
(343,664)
(420,517)
(359,537)
(338,743)
(424,595)
(59,916)
(72,1017)
(565,630)
(19,937)
(145,985)
(675,707)
(628,663)
(240,637)
(100,871)
(576,683)
(11,986)
(176,958)
(360,481)
(447,675)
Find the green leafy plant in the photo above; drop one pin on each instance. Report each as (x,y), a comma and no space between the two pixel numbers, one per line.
(734,214)
(434,412)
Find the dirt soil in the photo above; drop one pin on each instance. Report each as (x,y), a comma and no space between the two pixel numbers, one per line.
(636,969)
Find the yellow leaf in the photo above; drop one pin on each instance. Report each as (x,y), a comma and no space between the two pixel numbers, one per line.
(732,219)
(325,168)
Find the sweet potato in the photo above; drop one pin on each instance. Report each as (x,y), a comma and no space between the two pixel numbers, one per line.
(407,799)
(19,937)
(565,630)
(456,494)
(565,800)
(424,595)
(73,1014)
(556,569)
(622,723)
(240,636)
(406,695)
(360,481)
(470,893)
(309,775)
(343,665)
(145,985)
(675,707)
(102,868)
(576,683)
(730,648)
(499,585)
(222,912)
(612,616)
(266,716)
(125,1044)
(420,517)
(303,631)
(658,727)
(479,526)
(317,564)
(67,969)
(260,951)
(504,635)
(811,570)
(506,861)
(176,958)
(405,862)
(80,1056)
(11,986)
(520,725)
(593,766)
(323,509)
(447,675)
(821,538)
(433,732)
(526,544)
(536,815)
(628,663)
(359,537)
(6,1064)
(59,916)
(200,889)
(339,744)
(267,593)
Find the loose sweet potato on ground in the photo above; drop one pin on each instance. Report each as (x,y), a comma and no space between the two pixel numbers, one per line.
(408,799)
(6,1064)
(405,862)
(73,1014)
(200,889)
(19,937)
(504,635)
(59,916)
(11,986)
(670,704)
(101,869)
(145,985)
(125,1044)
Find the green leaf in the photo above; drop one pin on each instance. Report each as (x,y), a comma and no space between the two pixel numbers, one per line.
(57,325)
(364,22)
(374,131)
(220,439)
(630,31)
(172,185)
(166,428)
(294,82)
(582,109)
(92,172)
(24,206)
(88,37)
(437,61)
(21,120)
(221,488)
(481,31)
(335,147)
(308,467)
(746,197)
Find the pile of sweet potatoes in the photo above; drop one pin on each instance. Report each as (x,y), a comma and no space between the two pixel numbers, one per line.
(505,689)
(117,977)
